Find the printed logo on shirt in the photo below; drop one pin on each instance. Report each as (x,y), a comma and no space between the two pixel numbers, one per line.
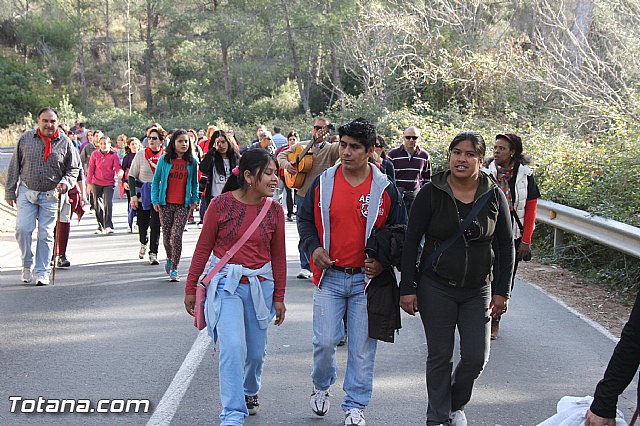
(363,205)
(179,171)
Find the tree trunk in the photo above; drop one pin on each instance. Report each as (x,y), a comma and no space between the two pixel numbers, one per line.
(226,71)
(83,81)
(336,76)
(580,29)
(109,59)
(148,57)
(304,96)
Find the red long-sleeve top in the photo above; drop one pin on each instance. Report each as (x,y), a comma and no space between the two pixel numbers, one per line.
(225,222)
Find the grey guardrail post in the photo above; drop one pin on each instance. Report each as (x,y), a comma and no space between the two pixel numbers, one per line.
(617,235)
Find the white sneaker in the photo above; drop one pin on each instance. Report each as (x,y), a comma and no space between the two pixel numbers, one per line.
(26,275)
(153,259)
(98,231)
(108,231)
(354,417)
(42,280)
(305,274)
(143,250)
(319,402)
(458,418)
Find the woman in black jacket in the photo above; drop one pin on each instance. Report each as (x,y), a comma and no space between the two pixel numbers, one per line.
(454,289)
(216,165)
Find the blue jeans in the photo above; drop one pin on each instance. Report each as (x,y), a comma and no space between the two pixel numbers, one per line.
(242,350)
(41,207)
(339,291)
(304,256)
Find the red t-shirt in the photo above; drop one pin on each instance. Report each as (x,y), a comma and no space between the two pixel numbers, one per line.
(225,222)
(177,181)
(348,218)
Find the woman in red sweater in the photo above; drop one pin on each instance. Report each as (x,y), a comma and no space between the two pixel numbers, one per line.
(249,290)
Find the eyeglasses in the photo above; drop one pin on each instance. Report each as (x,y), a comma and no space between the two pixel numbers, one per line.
(266,139)
(412,138)
(379,146)
(153,138)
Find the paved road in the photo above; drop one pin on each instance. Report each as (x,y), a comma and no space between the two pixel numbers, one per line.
(5,157)
(114,327)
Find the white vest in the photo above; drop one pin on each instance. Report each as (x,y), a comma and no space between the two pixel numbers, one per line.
(520,196)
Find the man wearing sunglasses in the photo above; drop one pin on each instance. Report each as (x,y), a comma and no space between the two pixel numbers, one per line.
(412,165)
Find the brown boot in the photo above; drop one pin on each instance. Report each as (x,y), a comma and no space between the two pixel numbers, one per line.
(495,328)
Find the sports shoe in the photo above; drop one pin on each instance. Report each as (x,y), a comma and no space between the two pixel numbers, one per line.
(167,266)
(289,218)
(98,231)
(495,328)
(63,262)
(173,276)
(304,274)
(319,402)
(354,417)
(143,250)
(42,280)
(26,275)
(108,231)
(153,259)
(252,403)
(458,418)
(135,227)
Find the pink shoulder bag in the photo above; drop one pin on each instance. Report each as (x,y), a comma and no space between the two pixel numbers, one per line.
(201,289)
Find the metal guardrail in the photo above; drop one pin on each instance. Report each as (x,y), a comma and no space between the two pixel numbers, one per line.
(617,235)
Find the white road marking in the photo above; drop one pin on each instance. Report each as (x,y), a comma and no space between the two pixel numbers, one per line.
(168,405)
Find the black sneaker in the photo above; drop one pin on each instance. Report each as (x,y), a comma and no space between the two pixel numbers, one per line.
(252,404)
(63,262)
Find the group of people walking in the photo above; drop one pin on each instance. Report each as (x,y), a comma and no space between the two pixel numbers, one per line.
(456,221)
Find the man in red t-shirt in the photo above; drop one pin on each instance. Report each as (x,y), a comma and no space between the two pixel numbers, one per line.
(340,210)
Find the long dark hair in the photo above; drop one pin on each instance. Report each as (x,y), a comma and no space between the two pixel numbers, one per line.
(232,155)
(170,153)
(256,161)
(476,140)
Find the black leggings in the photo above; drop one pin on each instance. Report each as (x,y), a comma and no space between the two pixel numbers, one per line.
(149,219)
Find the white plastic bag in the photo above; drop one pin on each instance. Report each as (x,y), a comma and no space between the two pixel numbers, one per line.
(571,411)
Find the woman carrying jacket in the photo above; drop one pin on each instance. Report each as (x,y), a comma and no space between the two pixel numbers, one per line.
(174,194)
(510,169)
(454,290)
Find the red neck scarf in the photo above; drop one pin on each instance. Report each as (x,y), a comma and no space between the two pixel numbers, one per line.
(47,143)
(152,157)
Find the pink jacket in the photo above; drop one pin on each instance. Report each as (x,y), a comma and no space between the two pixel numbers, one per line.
(103,167)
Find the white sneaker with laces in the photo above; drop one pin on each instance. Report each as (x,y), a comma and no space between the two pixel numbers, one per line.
(354,417)
(143,250)
(319,402)
(153,259)
(458,418)
(108,231)
(42,280)
(26,275)
(304,274)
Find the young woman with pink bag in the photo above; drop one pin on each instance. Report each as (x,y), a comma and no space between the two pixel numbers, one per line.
(248,291)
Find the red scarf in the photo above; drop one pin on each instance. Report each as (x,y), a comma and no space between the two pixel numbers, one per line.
(47,143)
(152,157)
(503,177)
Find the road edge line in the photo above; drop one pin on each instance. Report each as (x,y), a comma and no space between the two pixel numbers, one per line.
(168,405)
(577,313)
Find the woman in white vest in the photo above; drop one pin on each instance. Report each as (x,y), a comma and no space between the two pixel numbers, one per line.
(512,173)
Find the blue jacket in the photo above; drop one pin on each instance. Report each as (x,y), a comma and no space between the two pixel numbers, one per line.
(159,185)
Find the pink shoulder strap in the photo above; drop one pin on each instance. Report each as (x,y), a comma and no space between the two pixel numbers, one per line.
(229,254)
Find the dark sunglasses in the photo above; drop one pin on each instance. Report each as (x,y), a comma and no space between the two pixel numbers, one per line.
(318,127)
(379,146)
(153,138)
(412,138)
